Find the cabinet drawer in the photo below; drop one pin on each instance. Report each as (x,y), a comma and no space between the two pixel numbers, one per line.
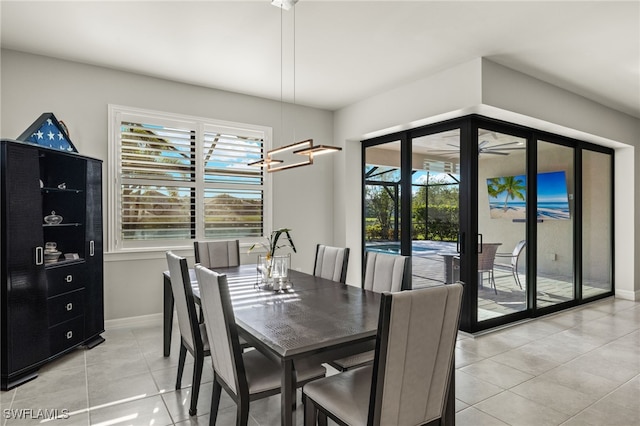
(65,307)
(65,278)
(66,335)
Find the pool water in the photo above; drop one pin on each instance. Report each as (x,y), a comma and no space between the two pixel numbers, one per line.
(423,247)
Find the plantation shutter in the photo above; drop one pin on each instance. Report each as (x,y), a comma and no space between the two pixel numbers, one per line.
(233,194)
(181,180)
(158,182)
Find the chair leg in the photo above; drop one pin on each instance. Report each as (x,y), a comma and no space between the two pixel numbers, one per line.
(310,413)
(242,416)
(195,386)
(517,278)
(181,361)
(215,401)
(493,281)
(322,418)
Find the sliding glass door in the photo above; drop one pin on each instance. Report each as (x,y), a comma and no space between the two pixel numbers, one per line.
(523,218)
(501,211)
(382,197)
(435,208)
(597,224)
(555,282)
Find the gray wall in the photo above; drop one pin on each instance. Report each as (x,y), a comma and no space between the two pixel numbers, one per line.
(483,87)
(79,94)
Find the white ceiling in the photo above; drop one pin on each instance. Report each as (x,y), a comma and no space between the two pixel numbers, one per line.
(345,51)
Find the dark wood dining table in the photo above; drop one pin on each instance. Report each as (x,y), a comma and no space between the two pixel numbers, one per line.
(316,318)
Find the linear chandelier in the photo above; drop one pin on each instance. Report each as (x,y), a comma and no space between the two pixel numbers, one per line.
(304,150)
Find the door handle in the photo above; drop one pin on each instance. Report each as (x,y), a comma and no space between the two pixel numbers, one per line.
(460,243)
(39,256)
(480,243)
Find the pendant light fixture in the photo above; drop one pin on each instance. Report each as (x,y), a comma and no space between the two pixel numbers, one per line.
(304,148)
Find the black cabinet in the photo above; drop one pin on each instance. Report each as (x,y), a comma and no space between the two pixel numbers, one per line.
(51,301)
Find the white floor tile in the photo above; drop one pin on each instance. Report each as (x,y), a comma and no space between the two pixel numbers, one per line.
(575,368)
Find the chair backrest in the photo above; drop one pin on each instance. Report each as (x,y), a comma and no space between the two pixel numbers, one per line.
(331,263)
(184,301)
(217,254)
(515,256)
(487,256)
(417,333)
(385,272)
(219,320)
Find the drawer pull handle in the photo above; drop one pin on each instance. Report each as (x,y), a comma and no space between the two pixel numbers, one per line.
(69,334)
(92,248)
(39,256)
(69,306)
(68,278)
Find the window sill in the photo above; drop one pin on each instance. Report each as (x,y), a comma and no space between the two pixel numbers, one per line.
(160,253)
(146,254)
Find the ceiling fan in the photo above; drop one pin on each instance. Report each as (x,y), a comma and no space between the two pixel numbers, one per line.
(500,148)
(483,148)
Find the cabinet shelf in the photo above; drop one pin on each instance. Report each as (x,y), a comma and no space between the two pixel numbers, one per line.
(61,225)
(64,262)
(48,190)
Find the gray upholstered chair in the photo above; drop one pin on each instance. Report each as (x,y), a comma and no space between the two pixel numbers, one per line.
(217,254)
(245,376)
(386,272)
(331,263)
(193,336)
(486,261)
(383,272)
(410,379)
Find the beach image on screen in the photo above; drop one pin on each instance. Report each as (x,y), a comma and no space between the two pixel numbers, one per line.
(508,196)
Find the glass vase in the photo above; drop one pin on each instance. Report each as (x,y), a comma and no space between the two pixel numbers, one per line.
(274,272)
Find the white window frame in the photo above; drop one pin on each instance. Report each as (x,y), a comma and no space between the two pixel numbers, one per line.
(116,113)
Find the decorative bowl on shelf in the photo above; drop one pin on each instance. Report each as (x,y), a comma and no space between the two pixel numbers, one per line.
(51,256)
(53,218)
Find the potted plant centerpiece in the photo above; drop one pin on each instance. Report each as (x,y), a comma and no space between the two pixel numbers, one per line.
(274,268)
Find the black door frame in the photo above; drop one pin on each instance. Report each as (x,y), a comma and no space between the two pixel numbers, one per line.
(468,205)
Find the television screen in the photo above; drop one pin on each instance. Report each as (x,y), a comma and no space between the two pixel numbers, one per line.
(508,196)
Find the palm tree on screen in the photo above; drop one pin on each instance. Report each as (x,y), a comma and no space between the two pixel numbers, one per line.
(494,187)
(514,188)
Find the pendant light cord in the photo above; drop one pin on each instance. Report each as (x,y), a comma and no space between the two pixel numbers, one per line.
(294,72)
(281,75)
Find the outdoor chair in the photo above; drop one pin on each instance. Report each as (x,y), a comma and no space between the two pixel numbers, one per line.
(245,376)
(514,257)
(410,380)
(486,261)
(331,263)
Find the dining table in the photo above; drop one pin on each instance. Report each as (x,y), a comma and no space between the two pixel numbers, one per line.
(315,318)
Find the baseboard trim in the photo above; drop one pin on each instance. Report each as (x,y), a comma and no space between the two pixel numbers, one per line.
(139,321)
(628,295)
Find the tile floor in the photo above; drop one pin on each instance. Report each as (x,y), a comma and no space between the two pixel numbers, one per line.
(428,270)
(580,367)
